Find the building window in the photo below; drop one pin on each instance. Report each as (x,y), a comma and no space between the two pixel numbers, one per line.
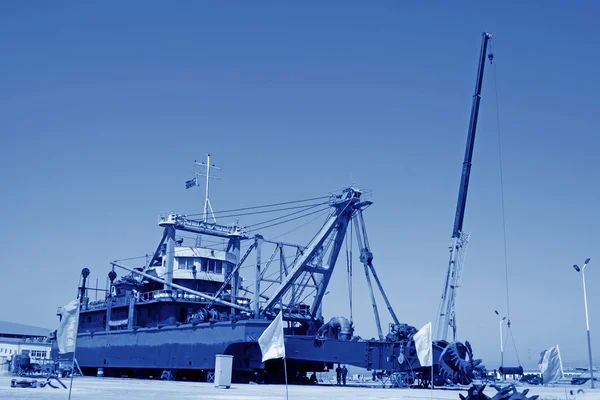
(38,354)
(204,265)
(218,266)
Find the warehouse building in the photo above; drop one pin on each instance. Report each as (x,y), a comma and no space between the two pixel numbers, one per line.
(23,339)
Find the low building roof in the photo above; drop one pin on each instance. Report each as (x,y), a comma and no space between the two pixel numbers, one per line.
(10,328)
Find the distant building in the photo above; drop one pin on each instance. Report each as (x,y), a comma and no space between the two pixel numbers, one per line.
(19,339)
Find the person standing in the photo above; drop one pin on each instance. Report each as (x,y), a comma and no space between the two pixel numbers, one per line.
(344,374)
(338,374)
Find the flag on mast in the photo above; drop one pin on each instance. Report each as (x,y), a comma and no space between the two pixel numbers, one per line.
(424,345)
(66,334)
(191,183)
(271,341)
(551,365)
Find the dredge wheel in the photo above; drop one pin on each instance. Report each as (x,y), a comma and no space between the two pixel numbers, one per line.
(456,363)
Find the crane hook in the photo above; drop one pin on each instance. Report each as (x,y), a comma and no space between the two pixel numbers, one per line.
(491,58)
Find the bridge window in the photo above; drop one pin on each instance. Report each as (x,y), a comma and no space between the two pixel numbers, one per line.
(187,262)
(206,265)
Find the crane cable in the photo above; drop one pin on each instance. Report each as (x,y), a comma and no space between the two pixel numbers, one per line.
(509,330)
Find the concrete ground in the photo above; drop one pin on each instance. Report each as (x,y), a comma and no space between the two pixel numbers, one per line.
(91,388)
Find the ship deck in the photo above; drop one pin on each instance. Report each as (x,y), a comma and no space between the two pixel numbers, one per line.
(91,388)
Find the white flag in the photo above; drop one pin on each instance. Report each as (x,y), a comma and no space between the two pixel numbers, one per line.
(271,342)
(424,346)
(66,334)
(551,365)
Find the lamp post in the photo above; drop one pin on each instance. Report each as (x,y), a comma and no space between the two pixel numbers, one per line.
(587,321)
(501,345)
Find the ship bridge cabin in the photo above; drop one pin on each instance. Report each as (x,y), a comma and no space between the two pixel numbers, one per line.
(201,269)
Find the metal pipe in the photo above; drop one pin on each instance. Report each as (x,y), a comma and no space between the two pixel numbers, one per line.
(251,292)
(587,324)
(170,256)
(258,275)
(501,349)
(183,288)
(298,246)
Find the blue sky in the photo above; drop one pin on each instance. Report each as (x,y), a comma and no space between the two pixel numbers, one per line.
(106,106)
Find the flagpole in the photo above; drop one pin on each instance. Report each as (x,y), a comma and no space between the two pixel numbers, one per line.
(74,350)
(286,381)
(284,362)
(432,378)
(562,372)
(72,373)
(431,349)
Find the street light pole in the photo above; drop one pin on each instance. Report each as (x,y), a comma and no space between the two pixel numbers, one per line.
(501,345)
(587,320)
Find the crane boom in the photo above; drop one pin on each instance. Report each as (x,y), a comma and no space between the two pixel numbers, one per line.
(466,171)
(447,317)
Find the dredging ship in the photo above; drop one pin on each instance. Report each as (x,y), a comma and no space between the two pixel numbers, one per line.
(188,304)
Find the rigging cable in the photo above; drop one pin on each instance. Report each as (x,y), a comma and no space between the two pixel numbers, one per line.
(265,206)
(304,208)
(301,226)
(509,330)
(291,219)
(268,211)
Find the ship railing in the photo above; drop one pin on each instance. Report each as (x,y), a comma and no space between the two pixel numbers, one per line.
(97,304)
(171,295)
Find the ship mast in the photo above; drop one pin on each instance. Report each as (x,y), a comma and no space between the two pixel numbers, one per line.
(194,182)
(207,165)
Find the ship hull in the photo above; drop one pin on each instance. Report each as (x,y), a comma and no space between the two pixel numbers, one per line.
(191,350)
(172,347)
